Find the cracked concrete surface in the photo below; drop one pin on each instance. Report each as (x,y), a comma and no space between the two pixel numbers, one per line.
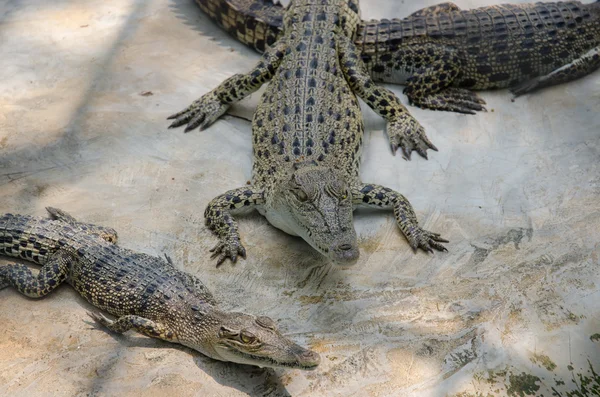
(513,308)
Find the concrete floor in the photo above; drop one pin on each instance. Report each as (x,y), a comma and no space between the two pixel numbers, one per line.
(513,307)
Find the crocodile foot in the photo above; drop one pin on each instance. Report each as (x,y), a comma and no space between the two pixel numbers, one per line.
(201,113)
(100,319)
(426,240)
(228,249)
(452,99)
(525,87)
(406,133)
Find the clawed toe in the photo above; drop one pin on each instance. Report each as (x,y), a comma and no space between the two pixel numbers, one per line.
(427,241)
(99,318)
(200,114)
(227,251)
(407,134)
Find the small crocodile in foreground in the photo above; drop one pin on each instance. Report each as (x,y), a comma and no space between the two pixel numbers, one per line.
(440,52)
(308,134)
(146,293)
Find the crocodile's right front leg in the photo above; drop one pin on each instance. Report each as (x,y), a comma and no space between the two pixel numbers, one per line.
(219,219)
(206,110)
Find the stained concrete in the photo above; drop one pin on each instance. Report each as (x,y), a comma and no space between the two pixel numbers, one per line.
(512,308)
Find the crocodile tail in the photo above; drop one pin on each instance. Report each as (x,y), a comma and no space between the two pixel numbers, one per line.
(256,23)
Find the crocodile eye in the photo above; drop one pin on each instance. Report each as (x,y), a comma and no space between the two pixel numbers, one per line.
(300,194)
(247,337)
(266,322)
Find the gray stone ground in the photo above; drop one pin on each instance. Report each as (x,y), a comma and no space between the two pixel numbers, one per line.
(513,308)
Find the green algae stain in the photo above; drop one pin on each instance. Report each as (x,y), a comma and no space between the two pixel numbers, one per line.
(595,338)
(522,385)
(543,361)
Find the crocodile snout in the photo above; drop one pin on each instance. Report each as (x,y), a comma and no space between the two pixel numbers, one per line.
(345,253)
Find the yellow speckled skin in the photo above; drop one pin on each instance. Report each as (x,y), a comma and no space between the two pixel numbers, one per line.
(441,52)
(307,136)
(147,294)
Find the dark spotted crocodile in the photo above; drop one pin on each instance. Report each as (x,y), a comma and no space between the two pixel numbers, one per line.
(307,137)
(146,294)
(442,52)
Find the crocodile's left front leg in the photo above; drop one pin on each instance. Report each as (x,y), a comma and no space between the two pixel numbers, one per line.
(219,219)
(404,131)
(383,197)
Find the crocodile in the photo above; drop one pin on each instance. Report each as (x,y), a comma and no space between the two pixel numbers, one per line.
(147,294)
(307,138)
(441,52)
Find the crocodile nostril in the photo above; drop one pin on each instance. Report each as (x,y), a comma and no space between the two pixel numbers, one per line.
(345,247)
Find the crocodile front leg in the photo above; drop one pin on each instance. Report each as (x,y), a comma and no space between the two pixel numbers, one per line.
(219,219)
(136,323)
(404,131)
(430,87)
(383,197)
(50,276)
(206,110)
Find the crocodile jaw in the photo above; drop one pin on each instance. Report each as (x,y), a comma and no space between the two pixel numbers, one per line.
(245,339)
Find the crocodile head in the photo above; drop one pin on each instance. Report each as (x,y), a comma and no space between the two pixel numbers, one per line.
(246,339)
(316,204)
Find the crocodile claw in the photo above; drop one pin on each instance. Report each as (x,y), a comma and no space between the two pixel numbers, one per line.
(427,241)
(525,87)
(231,250)
(201,113)
(99,318)
(406,133)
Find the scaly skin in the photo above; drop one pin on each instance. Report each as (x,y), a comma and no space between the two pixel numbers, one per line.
(443,52)
(145,293)
(307,137)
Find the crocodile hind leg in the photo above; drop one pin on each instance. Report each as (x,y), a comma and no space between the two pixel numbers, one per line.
(431,86)
(219,219)
(50,276)
(435,10)
(580,67)
(383,197)
(107,233)
(206,110)
(136,323)
(404,131)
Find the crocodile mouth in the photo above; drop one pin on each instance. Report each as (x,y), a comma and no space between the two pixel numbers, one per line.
(295,357)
